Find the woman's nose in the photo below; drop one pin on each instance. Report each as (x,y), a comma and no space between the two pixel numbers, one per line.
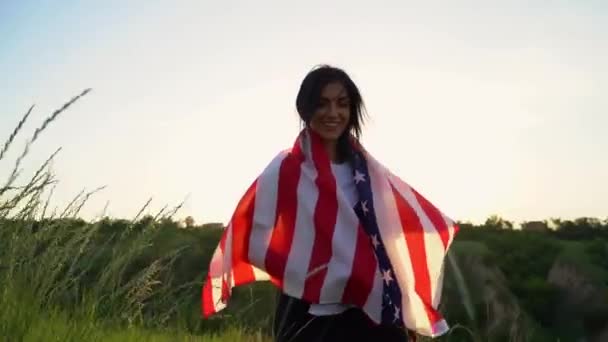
(334,110)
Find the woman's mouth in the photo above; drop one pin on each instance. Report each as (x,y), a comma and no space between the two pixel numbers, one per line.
(330,124)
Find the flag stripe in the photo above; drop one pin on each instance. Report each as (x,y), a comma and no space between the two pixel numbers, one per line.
(242,220)
(436,218)
(213,288)
(344,245)
(300,253)
(282,234)
(373,305)
(452,228)
(207,298)
(433,242)
(391,230)
(414,237)
(326,210)
(264,216)
(361,281)
(227,279)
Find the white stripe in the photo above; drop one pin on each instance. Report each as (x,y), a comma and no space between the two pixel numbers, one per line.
(344,242)
(373,305)
(438,290)
(439,328)
(304,233)
(259,274)
(227,274)
(216,273)
(264,216)
(437,293)
(391,231)
(433,244)
(216,293)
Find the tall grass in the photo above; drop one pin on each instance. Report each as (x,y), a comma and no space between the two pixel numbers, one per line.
(66,279)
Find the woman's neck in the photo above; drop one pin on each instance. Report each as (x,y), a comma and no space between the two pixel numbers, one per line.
(331,147)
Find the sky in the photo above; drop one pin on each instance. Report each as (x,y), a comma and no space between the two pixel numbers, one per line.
(485,108)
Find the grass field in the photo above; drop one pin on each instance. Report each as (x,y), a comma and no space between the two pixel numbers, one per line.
(114,280)
(67,286)
(66,280)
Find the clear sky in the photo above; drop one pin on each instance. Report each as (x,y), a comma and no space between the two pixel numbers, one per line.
(485,108)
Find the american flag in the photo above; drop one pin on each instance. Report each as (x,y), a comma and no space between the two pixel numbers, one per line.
(295,228)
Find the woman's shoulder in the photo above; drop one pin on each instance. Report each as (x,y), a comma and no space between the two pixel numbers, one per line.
(274,166)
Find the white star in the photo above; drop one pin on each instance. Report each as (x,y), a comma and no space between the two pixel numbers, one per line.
(397,312)
(386,276)
(375,241)
(364,207)
(359,177)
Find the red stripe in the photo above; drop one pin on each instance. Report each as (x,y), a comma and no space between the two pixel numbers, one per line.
(225,290)
(455,230)
(207,298)
(241,230)
(287,204)
(414,237)
(363,272)
(325,216)
(436,218)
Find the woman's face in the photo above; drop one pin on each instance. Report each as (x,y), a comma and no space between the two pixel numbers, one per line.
(332,115)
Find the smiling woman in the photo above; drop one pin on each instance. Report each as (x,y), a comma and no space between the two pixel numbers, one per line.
(332,116)
(330,105)
(356,253)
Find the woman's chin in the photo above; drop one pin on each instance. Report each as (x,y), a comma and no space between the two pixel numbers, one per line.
(330,134)
(330,137)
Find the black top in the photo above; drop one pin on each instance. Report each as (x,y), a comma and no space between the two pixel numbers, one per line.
(293,323)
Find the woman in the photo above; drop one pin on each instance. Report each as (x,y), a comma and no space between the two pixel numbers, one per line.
(330,104)
(356,252)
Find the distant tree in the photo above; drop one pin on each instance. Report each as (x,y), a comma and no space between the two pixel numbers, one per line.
(145,222)
(213,226)
(555,223)
(189,222)
(497,222)
(537,226)
(588,223)
(465,224)
(582,228)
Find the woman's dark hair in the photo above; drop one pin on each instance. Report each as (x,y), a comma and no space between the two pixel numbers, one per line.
(309,97)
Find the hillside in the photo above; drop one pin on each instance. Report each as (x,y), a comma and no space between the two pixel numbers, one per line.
(500,283)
